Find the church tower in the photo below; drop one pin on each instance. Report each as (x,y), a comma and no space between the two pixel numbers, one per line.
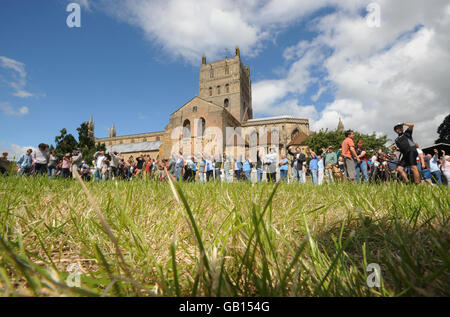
(112,131)
(227,83)
(91,128)
(340,126)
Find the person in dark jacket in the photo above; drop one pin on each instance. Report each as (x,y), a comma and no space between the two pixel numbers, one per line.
(298,158)
(407,147)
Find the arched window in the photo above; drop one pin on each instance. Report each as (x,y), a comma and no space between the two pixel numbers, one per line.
(227,69)
(186,129)
(218,90)
(210,91)
(227,88)
(294,134)
(201,126)
(194,109)
(226,103)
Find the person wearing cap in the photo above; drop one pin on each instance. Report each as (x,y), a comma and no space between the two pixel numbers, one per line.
(405,144)
(330,161)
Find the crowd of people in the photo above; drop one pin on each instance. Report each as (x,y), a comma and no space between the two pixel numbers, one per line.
(350,162)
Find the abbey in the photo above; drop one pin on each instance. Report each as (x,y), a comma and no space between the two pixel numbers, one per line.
(224,100)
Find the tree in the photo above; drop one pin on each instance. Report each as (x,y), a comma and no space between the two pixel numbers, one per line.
(325,138)
(444,131)
(86,143)
(65,143)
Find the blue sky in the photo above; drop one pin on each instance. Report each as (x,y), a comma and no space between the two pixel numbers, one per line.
(134,62)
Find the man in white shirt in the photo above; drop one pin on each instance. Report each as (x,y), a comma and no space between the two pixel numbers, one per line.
(99,157)
(271,160)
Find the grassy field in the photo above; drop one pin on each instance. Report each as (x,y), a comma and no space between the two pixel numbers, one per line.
(222,239)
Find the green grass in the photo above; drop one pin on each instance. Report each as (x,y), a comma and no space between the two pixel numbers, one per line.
(222,239)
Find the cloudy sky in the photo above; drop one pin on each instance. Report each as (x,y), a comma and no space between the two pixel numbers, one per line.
(133,62)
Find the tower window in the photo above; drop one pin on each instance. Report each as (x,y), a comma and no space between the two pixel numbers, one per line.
(211,73)
(227,88)
(218,90)
(210,91)
(194,109)
(226,103)
(227,69)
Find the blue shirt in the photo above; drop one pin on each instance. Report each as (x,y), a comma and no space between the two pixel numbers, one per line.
(246,167)
(284,167)
(313,163)
(209,165)
(202,166)
(434,165)
(320,165)
(25,160)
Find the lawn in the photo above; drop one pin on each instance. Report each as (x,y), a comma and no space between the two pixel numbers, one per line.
(150,239)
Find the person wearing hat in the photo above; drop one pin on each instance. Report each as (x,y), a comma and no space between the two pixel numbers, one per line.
(405,144)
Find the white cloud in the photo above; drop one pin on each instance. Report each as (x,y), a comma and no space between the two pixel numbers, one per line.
(190,28)
(15,151)
(397,72)
(8,110)
(18,77)
(380,76)
(85,4)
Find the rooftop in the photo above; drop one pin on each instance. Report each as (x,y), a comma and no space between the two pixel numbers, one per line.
(136,147)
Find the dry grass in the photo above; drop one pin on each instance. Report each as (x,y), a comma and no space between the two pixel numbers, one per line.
(223,239)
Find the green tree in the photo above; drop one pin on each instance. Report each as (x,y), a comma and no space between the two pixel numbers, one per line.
(325,138)
(444,131)
(65,143)
(86,143)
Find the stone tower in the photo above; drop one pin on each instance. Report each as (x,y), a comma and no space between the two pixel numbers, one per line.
(91,128)
(227,83)
(112,132)
(340,126)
